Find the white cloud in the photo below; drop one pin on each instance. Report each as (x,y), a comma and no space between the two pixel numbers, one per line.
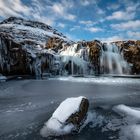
(75,28)
(61,10)
(94,29)
(87,22)
(121,15)
(100,11)
(113,38)
(45,11)
(13,8)
(127,25)
(129,3)
(128,13)
(113,6)
(72,37)
(85,2)
(17,8)
(133,34)
(132,7)
(61,25)
(95,5)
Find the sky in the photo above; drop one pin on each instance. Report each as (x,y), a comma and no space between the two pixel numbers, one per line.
(106,20)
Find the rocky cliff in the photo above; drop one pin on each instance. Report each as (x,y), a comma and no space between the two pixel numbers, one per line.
(131,53)
(34,48)
(24,46)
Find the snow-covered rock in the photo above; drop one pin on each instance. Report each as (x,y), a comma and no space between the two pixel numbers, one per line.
(67,118)
(2,78)
(21,30)
(131,128)
(124,110)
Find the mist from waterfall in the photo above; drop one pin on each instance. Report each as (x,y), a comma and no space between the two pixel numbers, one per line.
(112,60)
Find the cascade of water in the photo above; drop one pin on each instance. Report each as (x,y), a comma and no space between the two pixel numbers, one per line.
(112,61)
(76,58)
(72,67)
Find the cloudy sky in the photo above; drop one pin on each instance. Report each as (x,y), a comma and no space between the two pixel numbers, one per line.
(81,19)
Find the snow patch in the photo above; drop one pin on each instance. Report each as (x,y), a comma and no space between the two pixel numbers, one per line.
(131,130)
(2,78)
(56,125)
(99,80)
(124,110)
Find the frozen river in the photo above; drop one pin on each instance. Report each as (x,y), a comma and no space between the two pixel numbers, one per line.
(25,105)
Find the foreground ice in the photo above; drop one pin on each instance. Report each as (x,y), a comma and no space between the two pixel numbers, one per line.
(2,78)
(132,112)
(99,80)
(56,125)
(130,131)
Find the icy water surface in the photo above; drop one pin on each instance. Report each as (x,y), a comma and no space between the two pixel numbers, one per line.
(25,105)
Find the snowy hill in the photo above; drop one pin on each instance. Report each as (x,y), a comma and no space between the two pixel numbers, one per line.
(34,48)
(29,47)
(23,46)
(21,30)
(25,30)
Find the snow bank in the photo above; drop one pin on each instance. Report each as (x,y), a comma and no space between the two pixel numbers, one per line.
(2,78)
(131,130)
(57,124)
(99,80)
(34,32)
(124,110)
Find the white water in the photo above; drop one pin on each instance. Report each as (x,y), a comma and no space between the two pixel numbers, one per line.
(77,57)
(112,61)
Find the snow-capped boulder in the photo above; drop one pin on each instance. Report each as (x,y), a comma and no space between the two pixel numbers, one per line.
(131,128)
(67,118)
(2,78)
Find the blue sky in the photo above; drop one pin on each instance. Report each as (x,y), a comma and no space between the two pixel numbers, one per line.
(106,20)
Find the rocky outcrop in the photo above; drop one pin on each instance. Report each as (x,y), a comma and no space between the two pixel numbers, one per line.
(131,53)
(94,54)
(67,118)
(13,60)
(34,48)
(78,117)
(23,49)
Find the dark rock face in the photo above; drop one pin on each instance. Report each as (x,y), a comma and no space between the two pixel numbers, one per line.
(22,47)
(54,43)
(78,117)
(94,54)
(131,52)
(29,47)
(13,58)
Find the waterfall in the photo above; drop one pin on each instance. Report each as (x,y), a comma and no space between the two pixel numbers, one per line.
(112,61)
(75,59)
(72,68)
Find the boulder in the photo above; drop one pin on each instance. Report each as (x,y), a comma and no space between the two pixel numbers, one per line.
(2,78)
(67,118)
